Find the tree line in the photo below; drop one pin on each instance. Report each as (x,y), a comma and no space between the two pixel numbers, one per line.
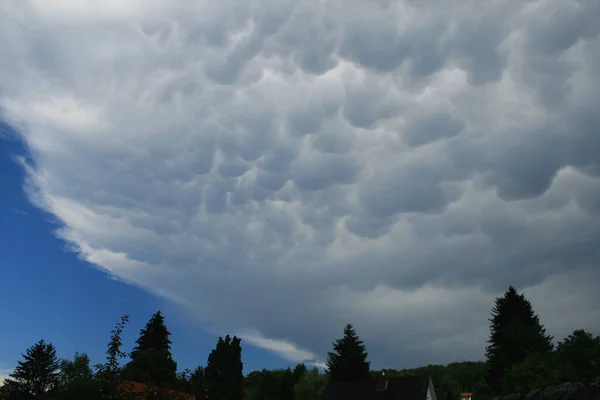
(520,356)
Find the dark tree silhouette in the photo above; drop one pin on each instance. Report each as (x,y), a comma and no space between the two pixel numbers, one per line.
(515,332)
(37,374)
(151,359)
(224,371)
(154,336)
(582,350)
(108,373)
(348,362)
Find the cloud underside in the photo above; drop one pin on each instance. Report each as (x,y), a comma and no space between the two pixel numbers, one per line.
(281,168)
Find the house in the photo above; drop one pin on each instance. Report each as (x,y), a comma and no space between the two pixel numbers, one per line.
(137,390)
(383,388)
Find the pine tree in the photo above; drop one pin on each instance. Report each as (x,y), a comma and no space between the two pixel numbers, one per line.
(38,374)
(515,332)
(224,370)
(348,362)
(154,336)
(151,359)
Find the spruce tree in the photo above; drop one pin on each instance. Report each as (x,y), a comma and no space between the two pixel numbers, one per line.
(515,332)
(151,359)
(154,336)
(348,362)
(38,373)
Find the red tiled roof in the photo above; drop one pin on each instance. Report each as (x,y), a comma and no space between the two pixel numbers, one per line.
(137,387)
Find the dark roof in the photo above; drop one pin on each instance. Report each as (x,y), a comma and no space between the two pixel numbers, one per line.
(363,390)
(401,388)
(441,395)
(408,388)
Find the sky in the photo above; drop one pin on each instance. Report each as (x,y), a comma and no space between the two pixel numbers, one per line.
(276,169)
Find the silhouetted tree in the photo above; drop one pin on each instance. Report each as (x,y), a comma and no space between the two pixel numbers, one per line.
(348,362)
(108,373)
(286,390)
(151,359)
(154,336)
(37,374)
(76,369)
(196,383)
(582,350)
(515,332)
(77,379)
(537,371)
(310,386)
(151,367)
(224,371)
(299,371)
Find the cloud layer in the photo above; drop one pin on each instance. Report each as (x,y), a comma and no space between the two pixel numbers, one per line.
(284,167)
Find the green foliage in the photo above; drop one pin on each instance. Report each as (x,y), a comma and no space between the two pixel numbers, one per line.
(518,343)
(348,362)
(515,332)
(310,386)
(77,379)
(38,373)
(537,371)
(282,384)
(154,336)
(151,367)
(299,371)
(582,350)
(108,373)
(77,369)
(454,378)
(224,378)
(151,359)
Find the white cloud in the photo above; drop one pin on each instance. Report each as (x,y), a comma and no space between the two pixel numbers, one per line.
(293,166)
(4,373)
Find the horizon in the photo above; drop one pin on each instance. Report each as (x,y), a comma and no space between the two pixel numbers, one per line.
(277,169)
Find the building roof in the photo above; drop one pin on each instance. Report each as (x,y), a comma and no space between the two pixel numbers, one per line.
(405,388)
(408,387)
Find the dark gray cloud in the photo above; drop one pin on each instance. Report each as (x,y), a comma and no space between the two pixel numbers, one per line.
(395,164)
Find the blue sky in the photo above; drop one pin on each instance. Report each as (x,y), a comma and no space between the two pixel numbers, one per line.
(279,168)
(51,294)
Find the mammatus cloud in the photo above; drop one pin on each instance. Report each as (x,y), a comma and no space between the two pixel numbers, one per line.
(285,167)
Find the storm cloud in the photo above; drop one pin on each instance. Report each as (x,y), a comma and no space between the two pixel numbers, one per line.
(280,168)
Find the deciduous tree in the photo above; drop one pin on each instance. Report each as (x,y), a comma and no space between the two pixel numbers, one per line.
(582,350)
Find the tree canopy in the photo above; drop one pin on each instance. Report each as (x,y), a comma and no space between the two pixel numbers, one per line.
(515,332)
(37,374)
(348,361)
(224,377)
(518,343)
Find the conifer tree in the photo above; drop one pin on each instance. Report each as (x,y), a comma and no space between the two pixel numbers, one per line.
(154,336)
(348,362)
(37,374)
(151,359)
(515,332)
(224,370)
